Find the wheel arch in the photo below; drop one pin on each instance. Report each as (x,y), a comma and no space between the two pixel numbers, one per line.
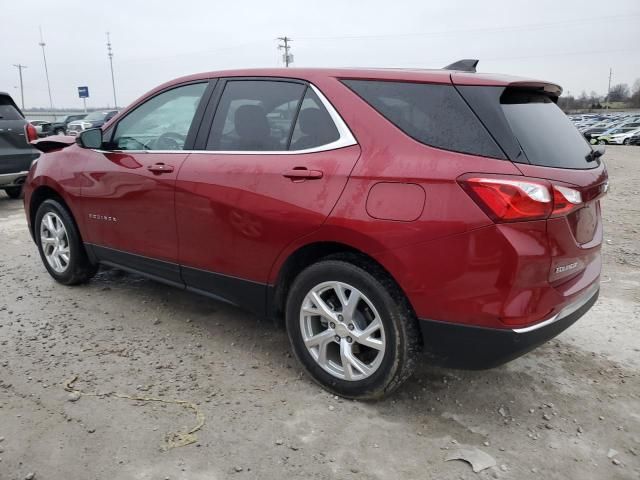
(39,195)
(311,253)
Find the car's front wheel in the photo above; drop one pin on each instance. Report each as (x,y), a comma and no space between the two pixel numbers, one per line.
(351,328)
(60,245)
(59,131)
(627,141)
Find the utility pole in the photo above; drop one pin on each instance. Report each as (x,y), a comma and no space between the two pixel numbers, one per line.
(285,46)
(20,67)
(113,80)
(609,88)
(46,72)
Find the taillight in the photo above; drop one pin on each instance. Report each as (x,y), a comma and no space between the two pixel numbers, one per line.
(511,200)
(30,132)
(565,200)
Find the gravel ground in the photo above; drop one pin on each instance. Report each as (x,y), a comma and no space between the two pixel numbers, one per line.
(570,409)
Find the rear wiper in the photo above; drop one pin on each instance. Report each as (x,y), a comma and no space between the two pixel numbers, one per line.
(595,153)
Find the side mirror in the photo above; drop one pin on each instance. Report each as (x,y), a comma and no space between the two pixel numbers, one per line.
(91,138)
(599,151)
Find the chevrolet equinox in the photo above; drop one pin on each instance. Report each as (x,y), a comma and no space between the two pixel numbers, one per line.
(380,213)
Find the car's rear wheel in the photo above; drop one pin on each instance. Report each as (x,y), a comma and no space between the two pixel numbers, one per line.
(602,142)
(351,328)
(59,131)
(14,192)
(60,245)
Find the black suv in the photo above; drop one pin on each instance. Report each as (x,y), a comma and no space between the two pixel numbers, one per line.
(16,154)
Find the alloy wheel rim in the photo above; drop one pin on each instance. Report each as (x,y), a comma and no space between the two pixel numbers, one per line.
(342,331)
(55,242)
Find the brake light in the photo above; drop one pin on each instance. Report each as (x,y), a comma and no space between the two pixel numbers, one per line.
(510,200)
(565,200)
(30,132)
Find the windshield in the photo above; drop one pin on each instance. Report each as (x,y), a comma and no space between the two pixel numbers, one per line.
(544,132)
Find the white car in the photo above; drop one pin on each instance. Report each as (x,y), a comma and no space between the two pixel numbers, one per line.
(619,136)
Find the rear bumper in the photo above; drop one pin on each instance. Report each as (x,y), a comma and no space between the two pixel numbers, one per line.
(12,179)
(471,347)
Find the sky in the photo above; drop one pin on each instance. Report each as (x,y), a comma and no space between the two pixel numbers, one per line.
(571,42)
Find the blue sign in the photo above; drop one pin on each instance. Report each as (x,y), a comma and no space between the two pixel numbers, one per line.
(83,92)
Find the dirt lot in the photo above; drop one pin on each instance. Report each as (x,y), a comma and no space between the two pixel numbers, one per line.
(557,413)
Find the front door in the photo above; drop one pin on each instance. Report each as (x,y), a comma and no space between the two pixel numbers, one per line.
(129,189)
(276,159)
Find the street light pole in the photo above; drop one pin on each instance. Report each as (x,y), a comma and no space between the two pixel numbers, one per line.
(46,72)
(20,67)
(113,80)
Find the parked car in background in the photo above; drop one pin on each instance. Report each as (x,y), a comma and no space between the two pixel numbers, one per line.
(92,120)
(635,140)
(592,132)
(60,128)
(377,211)
(615,136)
(43,128)
(16,154)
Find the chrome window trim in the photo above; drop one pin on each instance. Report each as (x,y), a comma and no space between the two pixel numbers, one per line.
(346,138)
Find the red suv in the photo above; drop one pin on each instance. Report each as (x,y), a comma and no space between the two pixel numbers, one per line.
(379,212)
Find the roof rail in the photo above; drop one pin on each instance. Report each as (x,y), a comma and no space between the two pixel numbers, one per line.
(466,65)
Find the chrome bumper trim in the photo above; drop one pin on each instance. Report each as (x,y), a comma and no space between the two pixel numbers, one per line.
(565,312)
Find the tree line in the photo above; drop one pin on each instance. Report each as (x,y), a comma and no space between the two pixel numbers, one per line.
(620,92)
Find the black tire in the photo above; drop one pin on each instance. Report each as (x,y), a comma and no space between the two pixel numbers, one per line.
(14,192)
(79,269)
(59,131)
(626,141)
(402,339)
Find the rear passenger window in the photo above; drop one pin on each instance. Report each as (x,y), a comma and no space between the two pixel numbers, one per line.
(255,115)
(314,126)
(432,114)
(8,112)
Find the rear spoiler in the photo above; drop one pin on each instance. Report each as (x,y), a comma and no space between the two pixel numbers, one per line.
(55,142)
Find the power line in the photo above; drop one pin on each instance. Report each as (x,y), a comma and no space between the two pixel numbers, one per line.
(285,46)
(113,80)
(46,70)
(20,67)
(534,26)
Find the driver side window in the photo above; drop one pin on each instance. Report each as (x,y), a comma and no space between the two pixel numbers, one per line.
(161,123)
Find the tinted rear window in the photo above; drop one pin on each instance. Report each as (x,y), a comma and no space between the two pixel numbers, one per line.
(7,109)
(544,132)
(435,115)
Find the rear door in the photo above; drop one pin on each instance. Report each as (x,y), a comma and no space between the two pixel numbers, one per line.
(15,153)
(128,199)
(269,167)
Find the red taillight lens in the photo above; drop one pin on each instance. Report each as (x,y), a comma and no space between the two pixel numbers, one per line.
(565,200)
(30,132)
(510,200)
